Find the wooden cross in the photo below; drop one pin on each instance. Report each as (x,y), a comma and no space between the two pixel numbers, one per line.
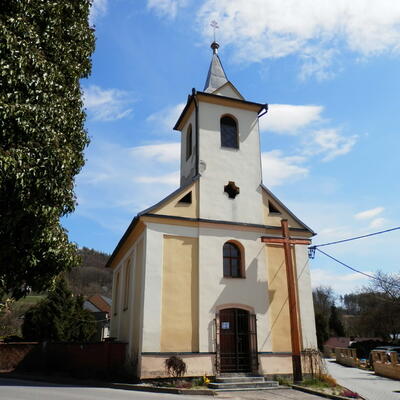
(287,242)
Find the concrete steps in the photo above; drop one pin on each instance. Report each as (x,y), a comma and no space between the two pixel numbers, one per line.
(233,382)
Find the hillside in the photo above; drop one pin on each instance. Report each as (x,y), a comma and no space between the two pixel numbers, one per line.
(91,277)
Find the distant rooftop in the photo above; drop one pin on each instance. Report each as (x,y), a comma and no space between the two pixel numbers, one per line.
(98,303)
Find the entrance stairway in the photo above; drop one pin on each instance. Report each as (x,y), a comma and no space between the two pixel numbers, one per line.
(235,381)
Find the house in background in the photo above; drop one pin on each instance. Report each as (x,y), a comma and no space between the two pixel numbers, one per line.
(334,342)
(192,275)
(100,306)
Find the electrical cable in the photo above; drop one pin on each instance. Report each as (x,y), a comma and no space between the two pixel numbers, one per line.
(356,270)
(354,238)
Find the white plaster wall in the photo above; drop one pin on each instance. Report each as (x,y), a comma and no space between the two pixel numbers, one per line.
(243,166)
(227,91)
(153,280)
(188,167)
(306,304)
(215,290)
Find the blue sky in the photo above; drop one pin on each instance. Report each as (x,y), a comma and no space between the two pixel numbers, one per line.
(330,142)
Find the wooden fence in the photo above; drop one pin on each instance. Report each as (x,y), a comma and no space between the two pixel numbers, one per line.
(386,364)
(346,356)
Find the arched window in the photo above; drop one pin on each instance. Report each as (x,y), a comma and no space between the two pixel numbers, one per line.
(115,302)
(189,142)
(232,260)
(127,283)
(229,133)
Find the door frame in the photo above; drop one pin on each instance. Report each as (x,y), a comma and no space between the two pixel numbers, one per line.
(252,335)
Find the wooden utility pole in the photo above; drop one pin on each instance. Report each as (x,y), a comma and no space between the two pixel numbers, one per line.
(287,242)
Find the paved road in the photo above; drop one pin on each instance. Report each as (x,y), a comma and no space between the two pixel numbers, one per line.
(365,383)
(12,389)
(280,394)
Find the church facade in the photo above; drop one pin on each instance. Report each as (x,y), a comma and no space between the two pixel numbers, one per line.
(192,276)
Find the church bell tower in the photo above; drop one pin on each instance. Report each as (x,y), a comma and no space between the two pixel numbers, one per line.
(220,146)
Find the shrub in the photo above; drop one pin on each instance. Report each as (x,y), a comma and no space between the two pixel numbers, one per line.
(175,366)
(329,380)
(59,317)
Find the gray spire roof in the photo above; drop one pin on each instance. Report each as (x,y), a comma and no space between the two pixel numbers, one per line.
(216,75)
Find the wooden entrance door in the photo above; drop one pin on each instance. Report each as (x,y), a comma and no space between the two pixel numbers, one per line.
(234,340)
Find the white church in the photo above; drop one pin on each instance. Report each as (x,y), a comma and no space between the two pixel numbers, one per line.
(193,275)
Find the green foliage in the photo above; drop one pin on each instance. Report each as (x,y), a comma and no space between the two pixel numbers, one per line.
(335,324)
(321,326)
(59,318)
(11,315)
(45,50)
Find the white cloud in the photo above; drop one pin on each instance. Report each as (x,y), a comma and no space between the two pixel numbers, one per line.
(293,119)
(378,223)
(367,214)
(315,30)
(279,169)
(166,8)
(330,143)
(340,282)
(107,104)
(317,62)
(171,179)
(287,118)
(98,9)
(164,152)
(166,118)
(116,177)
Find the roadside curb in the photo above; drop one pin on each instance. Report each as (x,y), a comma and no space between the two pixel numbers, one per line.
(54,379)
(317,393)
(111,385)
(155,389)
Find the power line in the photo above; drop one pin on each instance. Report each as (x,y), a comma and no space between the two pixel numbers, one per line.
(346,265)
(356,270)
(354,238)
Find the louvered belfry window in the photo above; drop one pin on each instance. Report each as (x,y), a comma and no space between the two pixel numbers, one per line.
(229,133)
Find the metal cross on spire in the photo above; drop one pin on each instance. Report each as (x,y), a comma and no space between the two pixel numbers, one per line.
(214,25)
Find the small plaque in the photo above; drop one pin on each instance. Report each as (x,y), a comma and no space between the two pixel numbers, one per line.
(225,325)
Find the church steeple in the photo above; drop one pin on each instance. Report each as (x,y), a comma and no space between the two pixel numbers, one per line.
(216,75)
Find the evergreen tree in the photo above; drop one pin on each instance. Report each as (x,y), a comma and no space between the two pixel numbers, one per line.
(45,50)
(321,325)
(335,324)
(59,318)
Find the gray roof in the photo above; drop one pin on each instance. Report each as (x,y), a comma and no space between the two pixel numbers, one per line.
(216,75)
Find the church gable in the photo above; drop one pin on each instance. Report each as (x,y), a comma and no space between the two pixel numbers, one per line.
(228,90)
(275,211)
(182,203)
